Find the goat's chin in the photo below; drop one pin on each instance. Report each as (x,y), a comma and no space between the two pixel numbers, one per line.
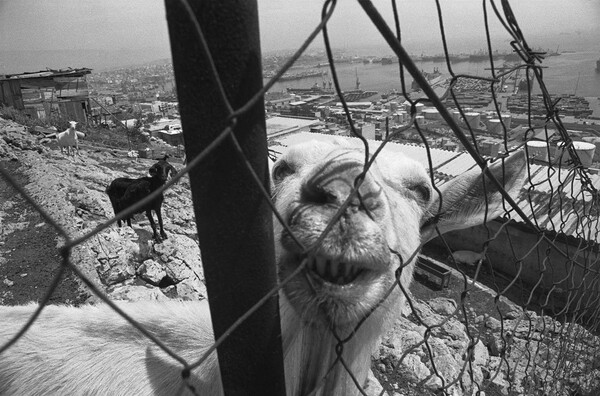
(341,306)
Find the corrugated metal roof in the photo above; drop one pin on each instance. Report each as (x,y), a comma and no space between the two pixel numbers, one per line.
(553,198)
(438,157)
(277,124)
(48,73)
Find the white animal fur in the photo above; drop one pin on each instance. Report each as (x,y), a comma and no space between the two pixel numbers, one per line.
(69,139)
(89,349)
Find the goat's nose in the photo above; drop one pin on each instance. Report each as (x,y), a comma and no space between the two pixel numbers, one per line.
(334,181)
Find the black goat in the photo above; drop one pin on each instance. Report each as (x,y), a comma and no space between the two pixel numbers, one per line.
(125,192)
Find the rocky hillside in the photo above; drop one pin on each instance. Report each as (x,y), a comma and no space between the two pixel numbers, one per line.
(482,353)
(123,262)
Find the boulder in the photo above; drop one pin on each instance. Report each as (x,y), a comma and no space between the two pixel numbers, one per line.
(152,272)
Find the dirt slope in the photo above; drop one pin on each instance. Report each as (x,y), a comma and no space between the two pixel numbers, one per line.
(29,259)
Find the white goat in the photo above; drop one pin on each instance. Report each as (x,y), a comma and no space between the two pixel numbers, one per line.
(91,350)
(69,139)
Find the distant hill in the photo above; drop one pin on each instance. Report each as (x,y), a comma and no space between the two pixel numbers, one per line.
(12,62)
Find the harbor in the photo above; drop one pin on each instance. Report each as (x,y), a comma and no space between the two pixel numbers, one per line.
(569,73)
(372,90)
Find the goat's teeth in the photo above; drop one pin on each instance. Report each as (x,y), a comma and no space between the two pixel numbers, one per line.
(321,265)
(334,268)
(328,269)
(333,271)
(347,269)
(341,269)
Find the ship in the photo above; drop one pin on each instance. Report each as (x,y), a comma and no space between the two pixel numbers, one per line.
(433,78)
(301,75)
(483,56)
(433,58)
(314,90)
(355,95)
(598,66)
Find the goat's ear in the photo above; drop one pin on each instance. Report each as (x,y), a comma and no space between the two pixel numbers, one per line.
(472,198)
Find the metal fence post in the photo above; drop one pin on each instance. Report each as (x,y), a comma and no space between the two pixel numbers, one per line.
(233,220)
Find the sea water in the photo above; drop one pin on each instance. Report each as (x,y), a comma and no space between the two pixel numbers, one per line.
(568,73)
(571,72)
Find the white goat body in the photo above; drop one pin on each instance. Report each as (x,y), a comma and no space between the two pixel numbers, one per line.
(91,350)
(69,139)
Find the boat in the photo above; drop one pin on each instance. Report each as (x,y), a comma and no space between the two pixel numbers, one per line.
(301,75)
(598,66)
(357,95)
(433,58)
(433,78)
(553,53)
(480,56)
(483,56)
(314,90)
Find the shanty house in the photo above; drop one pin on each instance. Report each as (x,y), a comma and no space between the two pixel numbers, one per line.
(50,92)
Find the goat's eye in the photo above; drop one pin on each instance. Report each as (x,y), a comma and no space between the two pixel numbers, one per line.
(281,170)
(422,191)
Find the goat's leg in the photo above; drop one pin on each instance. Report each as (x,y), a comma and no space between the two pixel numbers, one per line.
(153,225)
(116,209)
(163,234)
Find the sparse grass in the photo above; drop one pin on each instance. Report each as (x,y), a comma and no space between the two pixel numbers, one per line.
(120,137)
(20,117)
(117,137)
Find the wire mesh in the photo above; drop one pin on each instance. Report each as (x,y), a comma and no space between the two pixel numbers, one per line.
(546,343)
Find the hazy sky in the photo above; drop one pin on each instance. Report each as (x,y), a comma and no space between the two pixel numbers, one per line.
(82,24)
(463,19)
(28,25)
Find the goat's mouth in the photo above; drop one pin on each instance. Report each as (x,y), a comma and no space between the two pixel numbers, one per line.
(332,271)
(335,290)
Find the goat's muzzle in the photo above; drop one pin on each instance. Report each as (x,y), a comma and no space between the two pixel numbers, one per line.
(344,250)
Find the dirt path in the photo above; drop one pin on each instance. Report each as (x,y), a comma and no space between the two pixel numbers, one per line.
(29,259)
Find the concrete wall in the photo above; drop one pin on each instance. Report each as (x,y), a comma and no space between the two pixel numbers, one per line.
(520,253)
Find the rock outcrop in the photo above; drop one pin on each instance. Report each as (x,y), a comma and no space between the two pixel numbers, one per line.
(123,262)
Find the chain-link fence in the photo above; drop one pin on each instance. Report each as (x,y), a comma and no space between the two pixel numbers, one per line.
(519,307)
